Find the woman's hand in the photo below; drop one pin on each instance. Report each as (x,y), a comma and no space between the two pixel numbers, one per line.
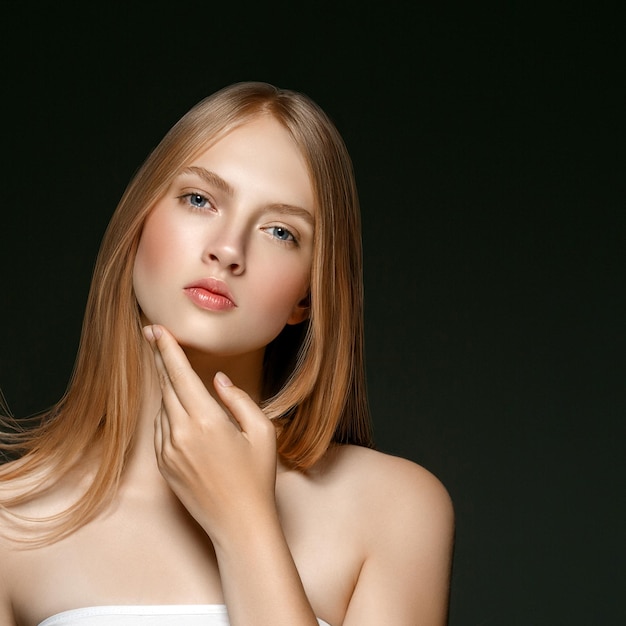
(222,467)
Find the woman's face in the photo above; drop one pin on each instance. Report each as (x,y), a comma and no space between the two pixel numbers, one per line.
(224,259)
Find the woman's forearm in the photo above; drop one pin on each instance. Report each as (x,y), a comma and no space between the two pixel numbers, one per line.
(259,577)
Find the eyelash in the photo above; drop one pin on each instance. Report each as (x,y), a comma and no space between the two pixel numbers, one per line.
(292,240)
(186,198)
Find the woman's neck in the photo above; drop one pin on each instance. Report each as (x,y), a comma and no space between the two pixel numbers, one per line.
(244,371)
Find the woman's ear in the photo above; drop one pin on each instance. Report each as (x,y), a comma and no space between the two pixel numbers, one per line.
(301,311)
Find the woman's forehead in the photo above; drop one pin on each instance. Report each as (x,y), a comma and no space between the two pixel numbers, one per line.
(259,155)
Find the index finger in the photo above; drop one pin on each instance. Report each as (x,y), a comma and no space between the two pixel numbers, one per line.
(178,380)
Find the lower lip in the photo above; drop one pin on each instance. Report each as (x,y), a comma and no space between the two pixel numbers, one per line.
(208,300)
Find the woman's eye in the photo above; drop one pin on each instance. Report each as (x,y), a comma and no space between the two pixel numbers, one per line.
(196,200)
(281,233)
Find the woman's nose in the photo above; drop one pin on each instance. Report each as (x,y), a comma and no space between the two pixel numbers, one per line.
(226,247)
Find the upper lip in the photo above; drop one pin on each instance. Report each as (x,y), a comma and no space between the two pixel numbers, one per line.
(214,285)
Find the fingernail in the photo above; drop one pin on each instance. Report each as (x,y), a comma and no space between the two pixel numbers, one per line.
(157,331)
(223,380)
(148,333)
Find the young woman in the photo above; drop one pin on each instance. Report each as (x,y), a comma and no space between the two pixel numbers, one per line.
(211,461)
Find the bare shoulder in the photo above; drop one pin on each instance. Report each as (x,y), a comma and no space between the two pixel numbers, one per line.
(9,489)
(6,605)
(388,477)
(16,503)
(393,493)
(26,497)
(403,523)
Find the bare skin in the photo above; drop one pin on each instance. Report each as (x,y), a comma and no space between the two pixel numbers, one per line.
(364,538)
(205,513)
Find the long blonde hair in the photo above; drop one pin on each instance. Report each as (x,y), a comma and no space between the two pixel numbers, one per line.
(315,386)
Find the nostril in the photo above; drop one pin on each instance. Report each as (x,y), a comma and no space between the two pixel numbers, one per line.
(225,252)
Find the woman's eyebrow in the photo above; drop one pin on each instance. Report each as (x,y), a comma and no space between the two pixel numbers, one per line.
(289,209)
(209,177)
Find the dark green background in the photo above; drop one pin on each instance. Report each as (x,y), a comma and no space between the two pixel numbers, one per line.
(489,153)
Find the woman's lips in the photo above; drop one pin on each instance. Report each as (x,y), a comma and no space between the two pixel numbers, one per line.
(210,294)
